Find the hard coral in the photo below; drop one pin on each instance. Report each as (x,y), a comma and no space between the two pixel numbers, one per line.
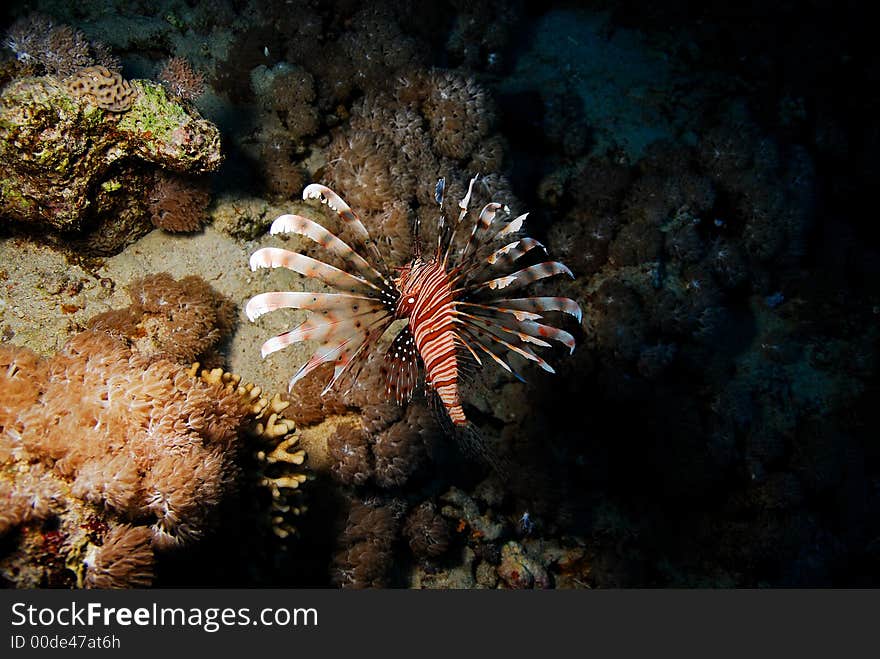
(102,87)
(70,164)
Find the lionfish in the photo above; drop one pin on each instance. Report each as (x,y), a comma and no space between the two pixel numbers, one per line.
(454,301)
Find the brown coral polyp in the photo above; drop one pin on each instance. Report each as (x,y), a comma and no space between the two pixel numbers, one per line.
(178,205)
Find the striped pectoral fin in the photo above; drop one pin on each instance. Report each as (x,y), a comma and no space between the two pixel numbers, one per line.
(465,201)
(325,329)
(319,302)
(497,311)
(542,304)
(525,276)
(508,254)
(496,352)
(305,227)
(323,355)
(527,328)
(548,332)
(488,334)
(516,224)
(481,226)
(402,366)
(512,328)
(353,357)
(346,214)
(275,257)
(341,352)
(334,201)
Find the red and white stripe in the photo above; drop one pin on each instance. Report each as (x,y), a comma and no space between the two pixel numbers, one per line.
(426,299)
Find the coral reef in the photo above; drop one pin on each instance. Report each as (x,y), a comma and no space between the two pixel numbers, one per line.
(703,178)
(121,440)
(115,448)
(427,532)
(124,560)
(69,164)
(361,437)
(245,218)
(101,87)
(432,124)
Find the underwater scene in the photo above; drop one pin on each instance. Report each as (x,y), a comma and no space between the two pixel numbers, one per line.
(446,295)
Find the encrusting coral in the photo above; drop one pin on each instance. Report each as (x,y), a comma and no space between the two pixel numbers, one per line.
(115,448)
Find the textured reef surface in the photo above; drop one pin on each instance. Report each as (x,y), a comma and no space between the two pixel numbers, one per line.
(701,172)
